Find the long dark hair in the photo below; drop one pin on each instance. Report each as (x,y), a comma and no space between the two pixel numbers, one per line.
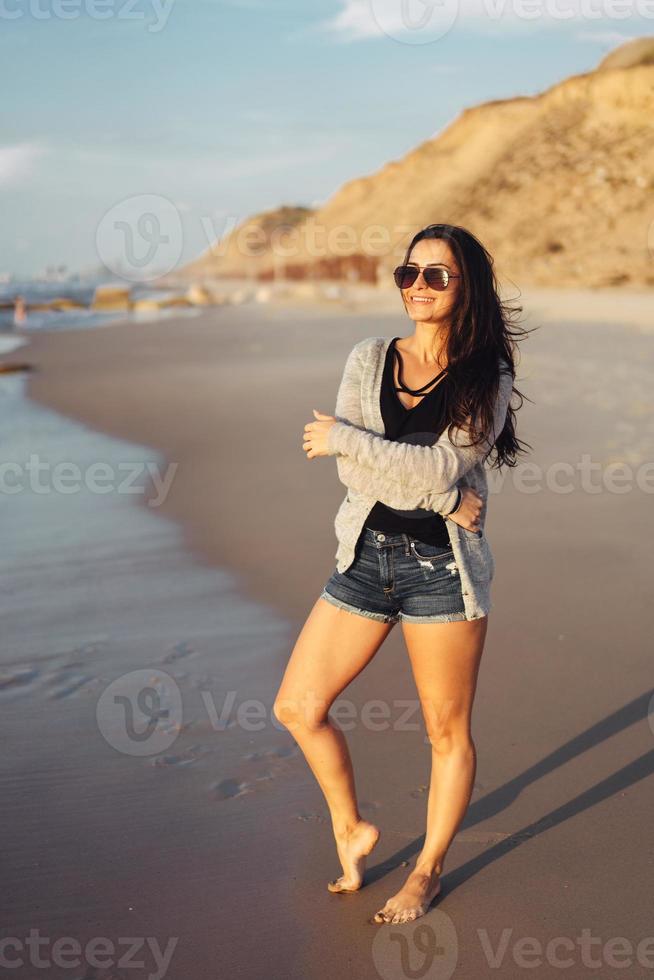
(483,329)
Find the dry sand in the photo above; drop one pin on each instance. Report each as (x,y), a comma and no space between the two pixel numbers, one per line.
(556,839)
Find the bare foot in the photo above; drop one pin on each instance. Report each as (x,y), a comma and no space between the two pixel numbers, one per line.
(352,851)
(412,900)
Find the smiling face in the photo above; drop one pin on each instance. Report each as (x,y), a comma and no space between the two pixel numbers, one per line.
(424,304)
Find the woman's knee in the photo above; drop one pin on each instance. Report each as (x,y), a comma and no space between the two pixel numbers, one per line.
(451,738)
(303,712)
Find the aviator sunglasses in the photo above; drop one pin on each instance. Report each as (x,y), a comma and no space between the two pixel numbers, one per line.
(436,276)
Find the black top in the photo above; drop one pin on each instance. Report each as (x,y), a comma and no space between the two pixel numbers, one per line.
(421,426)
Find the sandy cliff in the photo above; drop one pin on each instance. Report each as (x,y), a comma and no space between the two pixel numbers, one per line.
(558,186)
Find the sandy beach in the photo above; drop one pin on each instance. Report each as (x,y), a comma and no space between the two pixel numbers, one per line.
(218,847)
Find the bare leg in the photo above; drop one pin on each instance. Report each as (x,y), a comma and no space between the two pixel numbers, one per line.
(334,646)
(445,659)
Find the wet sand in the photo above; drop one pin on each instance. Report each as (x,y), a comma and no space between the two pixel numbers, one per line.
(222,841)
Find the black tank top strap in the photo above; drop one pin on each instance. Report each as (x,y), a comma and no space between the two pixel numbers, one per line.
(403,387)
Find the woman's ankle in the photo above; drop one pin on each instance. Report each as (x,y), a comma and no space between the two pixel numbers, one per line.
(429,866)
(346,827)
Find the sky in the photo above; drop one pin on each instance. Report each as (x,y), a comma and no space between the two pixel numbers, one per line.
(195,114)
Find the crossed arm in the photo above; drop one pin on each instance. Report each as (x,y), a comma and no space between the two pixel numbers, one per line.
(399,474)
(380,484)
(391,492)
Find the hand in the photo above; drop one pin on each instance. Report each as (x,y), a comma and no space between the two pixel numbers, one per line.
(315,435)
(467,515)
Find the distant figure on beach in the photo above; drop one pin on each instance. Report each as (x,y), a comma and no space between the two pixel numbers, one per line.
(416,417)
(20,311)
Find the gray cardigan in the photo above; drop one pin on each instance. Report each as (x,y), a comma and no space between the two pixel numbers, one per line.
(406,476)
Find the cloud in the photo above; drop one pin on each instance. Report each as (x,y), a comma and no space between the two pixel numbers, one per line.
(17,161)
(354,22)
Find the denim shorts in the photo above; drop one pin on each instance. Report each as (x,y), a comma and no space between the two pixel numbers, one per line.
(397,577)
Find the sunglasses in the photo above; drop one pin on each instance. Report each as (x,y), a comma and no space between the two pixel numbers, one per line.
(436,277)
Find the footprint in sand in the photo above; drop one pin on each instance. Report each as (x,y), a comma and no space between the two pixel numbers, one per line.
(80,654)
(317,817)
(18,677)
(278,752)
(284,751)
(229,789)
(205,682)
(92,647)
(187,758)
(179,652)
(64,689)
(278,759)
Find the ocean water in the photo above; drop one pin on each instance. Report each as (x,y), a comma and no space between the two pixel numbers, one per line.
(9,343)
(94,583)
(43,292)
(134,782)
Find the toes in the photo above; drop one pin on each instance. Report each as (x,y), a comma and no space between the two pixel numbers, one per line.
(403,915)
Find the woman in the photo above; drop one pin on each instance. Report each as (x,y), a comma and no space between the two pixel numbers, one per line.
(415,419)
